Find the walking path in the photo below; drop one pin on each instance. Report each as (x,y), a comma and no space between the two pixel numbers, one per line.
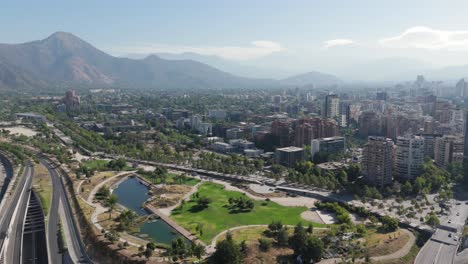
(168,210)
(395,255)
(173,224)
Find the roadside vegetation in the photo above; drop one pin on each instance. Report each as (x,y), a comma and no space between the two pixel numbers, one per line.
(42,185)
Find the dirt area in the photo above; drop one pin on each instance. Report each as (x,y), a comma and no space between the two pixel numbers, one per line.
(313,216)
(168,195)
(274,255)
(91,182)
(383,244)
(19,130)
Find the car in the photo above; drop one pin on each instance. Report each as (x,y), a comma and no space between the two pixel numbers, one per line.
(458,203)
(449,221)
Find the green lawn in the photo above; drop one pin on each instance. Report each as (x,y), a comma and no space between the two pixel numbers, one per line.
(101,165)
(217,217)
(98,165)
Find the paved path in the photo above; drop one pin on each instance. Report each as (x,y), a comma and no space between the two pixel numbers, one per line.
(396,255)
(168,210)
(184,232)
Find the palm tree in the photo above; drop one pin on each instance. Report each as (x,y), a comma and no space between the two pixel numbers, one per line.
(112,202)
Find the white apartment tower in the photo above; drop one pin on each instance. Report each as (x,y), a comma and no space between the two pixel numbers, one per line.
(409,157)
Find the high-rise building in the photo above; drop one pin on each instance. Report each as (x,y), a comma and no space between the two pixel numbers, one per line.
(345,114)
(71,100)
(461,88)
(429,143)
(289,156)
(381,96)
(377,162)
(465,149)
(303,134)
(444,149)
(409,157)
(281,131)
(332,106)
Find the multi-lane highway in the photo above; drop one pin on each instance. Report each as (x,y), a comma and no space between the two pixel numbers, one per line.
(76,250)
(11,223)
(442,246)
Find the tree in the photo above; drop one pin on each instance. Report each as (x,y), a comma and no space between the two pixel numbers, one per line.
(198,251)
(148,252)
(275,227)
(227,251)
(112,236)
(103,193)
(111,203)
(314,249)
(432,220)
(282,237)
(203,202)
(298,240)
(389,224)
(126,219)
(178,248)
(264,244)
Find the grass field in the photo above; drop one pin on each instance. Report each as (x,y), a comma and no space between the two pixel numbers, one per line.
(42,184)
(97,165)
(217,217)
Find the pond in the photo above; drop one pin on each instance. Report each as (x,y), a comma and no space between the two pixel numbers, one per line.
(132,194)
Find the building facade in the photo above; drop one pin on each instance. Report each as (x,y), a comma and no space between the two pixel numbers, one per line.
(409,157)
(377,163)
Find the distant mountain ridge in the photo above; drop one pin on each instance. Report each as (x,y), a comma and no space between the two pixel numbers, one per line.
(66,60)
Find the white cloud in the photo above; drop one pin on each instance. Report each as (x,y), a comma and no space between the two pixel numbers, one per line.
(337,42)
(258,48)
(428,38)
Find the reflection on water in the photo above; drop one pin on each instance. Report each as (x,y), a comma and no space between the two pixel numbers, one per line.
(132,194)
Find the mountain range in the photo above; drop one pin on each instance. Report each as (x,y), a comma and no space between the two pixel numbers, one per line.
(64,60)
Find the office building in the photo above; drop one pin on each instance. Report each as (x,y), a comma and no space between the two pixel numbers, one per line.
(377,163)
(289,156)
(328,145)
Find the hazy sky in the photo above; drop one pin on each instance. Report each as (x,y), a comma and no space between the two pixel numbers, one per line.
(317,35)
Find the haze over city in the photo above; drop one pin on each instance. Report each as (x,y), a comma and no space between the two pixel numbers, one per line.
(358,40)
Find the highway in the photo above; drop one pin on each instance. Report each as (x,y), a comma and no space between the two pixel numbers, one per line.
(53,227)
(76,249)
(11,225)
(442,246)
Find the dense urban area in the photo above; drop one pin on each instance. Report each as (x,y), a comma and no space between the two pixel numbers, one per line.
(280,175)
(233,132)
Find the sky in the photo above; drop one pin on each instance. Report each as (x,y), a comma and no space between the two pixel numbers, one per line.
(297,35)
